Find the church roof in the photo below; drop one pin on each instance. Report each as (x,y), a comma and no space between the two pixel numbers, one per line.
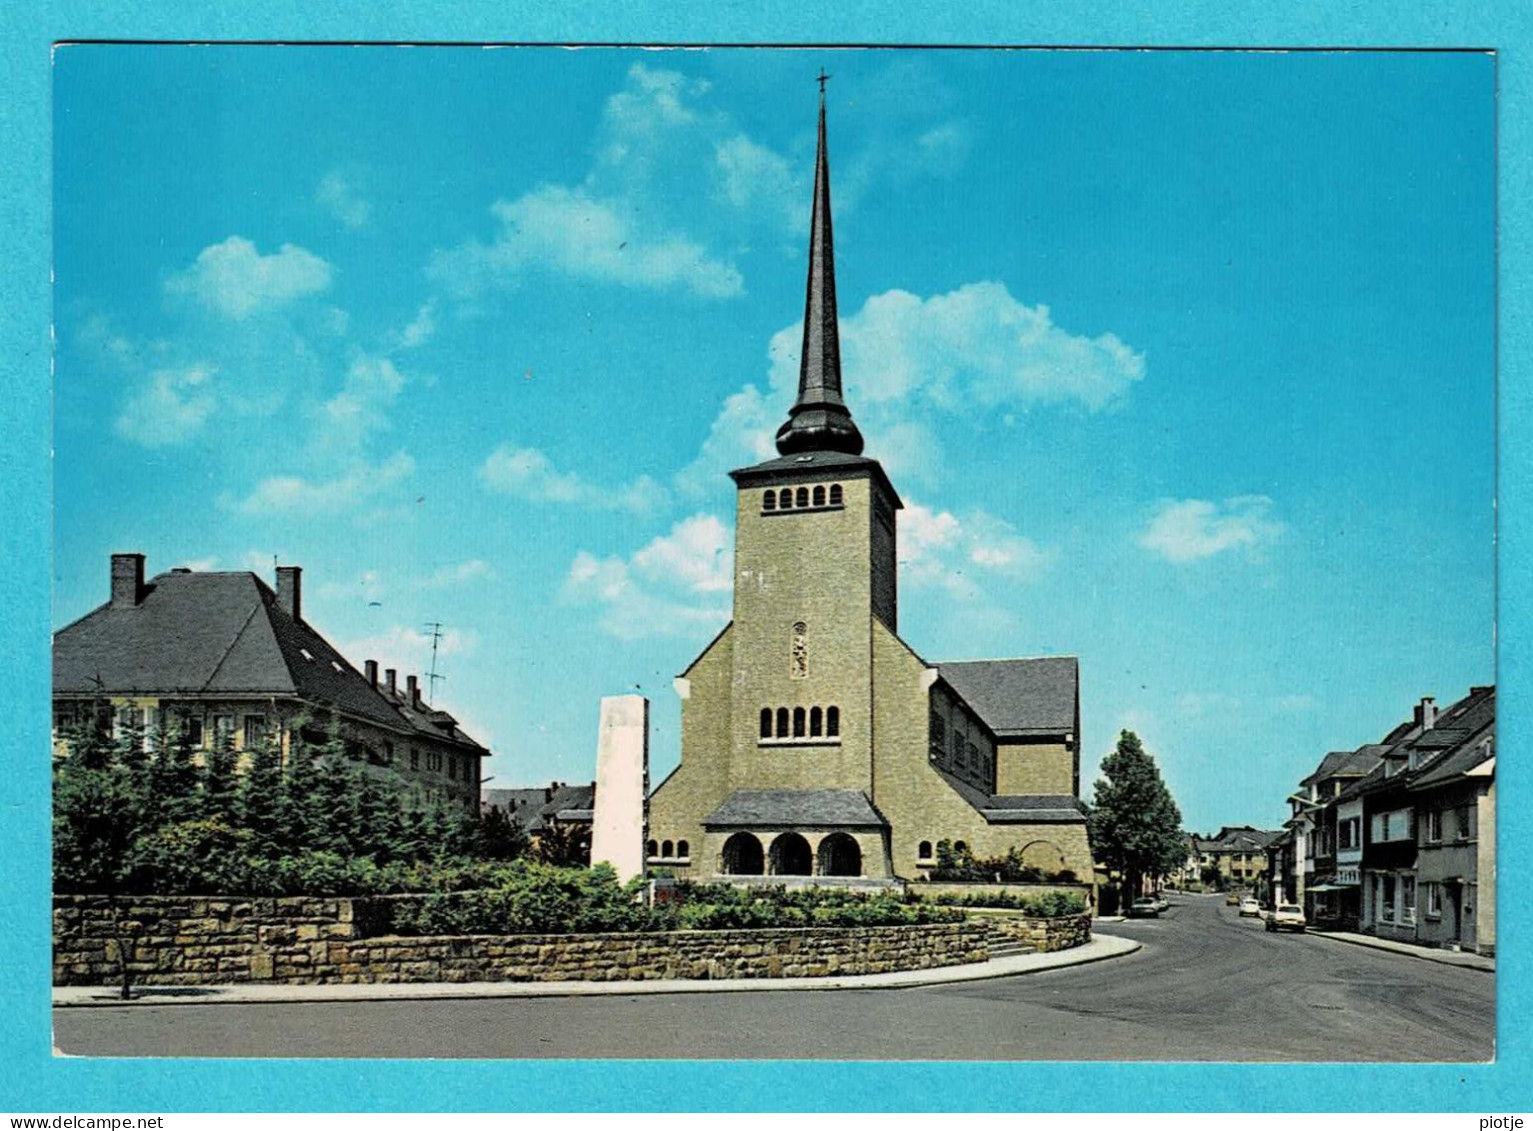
(819,420)
(847,808)
(1018,698)
(1018,809)
(816,465)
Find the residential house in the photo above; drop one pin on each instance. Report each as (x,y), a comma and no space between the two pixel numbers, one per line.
(221,657)
(1238,852)
(557,809)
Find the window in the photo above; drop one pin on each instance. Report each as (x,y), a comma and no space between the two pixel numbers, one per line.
(924,851)
(766,722)
(1434,824)
(434,762)
(683,850)
(801,498)
(223,730)
(1434,901)
(798,722)
(816,722)
(1408,898)
(832,722)
(652,849)
(1462,821)
(666,849)
(415,759)
(819,496)
(388,753)
(1388,912)
(835,494)
(769,502)
(782,722)
(973,756)
(452,766)
(939,732)
(785,499)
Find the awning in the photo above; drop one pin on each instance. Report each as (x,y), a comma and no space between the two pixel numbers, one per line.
(1326,887)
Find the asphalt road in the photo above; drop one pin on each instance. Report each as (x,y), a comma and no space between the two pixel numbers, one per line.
(1207,986)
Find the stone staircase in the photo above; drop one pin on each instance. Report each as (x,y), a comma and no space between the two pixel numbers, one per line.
(1003,945)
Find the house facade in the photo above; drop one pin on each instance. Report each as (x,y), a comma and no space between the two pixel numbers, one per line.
(222,658)
(814,740)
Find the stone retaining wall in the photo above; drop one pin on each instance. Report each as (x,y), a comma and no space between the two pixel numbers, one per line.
(1044,935)
(210,941)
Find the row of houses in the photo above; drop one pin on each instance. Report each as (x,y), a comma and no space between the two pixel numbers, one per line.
(1233,858)
(221,658)
(1397,838)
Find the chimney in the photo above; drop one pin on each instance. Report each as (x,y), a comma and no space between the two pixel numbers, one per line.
(127,580)
(290,590)
(1426,713)
(371,668)
(388,681)
(414,690)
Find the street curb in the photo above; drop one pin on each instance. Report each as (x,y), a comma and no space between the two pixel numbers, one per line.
(1422,953)
(249,994)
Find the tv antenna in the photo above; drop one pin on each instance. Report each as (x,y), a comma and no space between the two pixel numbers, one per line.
(435,628)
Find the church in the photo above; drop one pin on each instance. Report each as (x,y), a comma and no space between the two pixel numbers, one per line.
(815,742)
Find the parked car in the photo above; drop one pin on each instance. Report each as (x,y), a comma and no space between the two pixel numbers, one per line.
(1286,917)
(1145,908)
(1161,902)
(1249,906)
(1232,899)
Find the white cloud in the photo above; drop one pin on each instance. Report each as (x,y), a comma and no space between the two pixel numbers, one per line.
(408,650)
(200,565)
(169,407)
(1189,530)
(475,569)
(286,494)
(236,280)
(348,418)
(570,231)
(527,473)
(421,328)
(959,556)
(366,586)
(751,176)
(338,196)
(909,364)
(677,584)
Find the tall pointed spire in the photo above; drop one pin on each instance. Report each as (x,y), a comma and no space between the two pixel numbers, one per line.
(819,420)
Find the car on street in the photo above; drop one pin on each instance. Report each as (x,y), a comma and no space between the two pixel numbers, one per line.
(1249,906)
(1286,917)
(1161,902)
(1232,899)
(1145,908)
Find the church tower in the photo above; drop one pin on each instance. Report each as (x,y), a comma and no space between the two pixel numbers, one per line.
(814,561)
(814,741)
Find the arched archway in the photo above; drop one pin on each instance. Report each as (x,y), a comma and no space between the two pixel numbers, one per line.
(1043,855)
(743,856)
(791,856)
(840,855)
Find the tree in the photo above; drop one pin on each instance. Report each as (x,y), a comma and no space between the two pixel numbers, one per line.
(1135,824)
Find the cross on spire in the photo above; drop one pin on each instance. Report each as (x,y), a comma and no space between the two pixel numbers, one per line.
(822,80)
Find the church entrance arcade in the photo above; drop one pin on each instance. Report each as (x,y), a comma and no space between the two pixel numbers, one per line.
(801,854)
(839,855)
(743,856)
(791,856)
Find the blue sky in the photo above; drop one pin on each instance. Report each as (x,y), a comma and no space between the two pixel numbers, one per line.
(1182,362)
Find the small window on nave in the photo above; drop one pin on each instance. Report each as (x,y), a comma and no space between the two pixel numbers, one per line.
(832,722)
(819,496)
(769,501)
(835,494)
(801,499)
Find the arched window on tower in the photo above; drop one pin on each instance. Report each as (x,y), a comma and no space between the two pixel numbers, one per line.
(819,496)
(665,850)
(652,848)
(766,722)
(802,498)
(832,722)
(816,722)
(683,851)
(782,722)
(924,852)
(835,494)
(785,499)
(798,722)
(769,501)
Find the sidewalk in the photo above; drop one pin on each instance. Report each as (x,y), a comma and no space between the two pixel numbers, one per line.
(1427,953)
(1101,947)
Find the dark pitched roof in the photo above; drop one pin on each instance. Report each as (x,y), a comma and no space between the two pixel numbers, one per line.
(1448,748)
(848,808)
(815,465)
(1239,838)
(534,809)
(1474,751)
(212,634)
(1017,698)
(1328,766)
(1034,809)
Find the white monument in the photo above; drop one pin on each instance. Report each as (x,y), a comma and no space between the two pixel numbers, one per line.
(620,822)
